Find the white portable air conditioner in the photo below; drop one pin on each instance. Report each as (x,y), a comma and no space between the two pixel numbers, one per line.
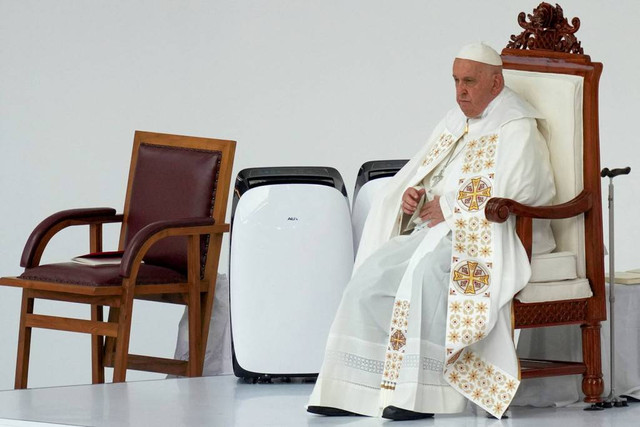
(291,256)
(372,176)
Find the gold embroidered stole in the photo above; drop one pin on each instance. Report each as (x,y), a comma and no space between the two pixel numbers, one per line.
(469,302)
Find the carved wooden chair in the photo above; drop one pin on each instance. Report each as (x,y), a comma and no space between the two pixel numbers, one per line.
(170,241)
(546,65)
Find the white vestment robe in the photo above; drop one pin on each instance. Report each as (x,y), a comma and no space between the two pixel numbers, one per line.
(425,322)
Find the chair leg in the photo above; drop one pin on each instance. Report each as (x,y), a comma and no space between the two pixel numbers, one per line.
(592,382)
(24,342)
(121,354)
(205,321)
(97,341)
(206,302)
(110,342)
(97,348)
(195,363)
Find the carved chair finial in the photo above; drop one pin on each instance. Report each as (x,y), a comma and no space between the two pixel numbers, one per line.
(547,29)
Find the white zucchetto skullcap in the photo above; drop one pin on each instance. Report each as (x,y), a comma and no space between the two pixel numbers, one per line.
(480,52)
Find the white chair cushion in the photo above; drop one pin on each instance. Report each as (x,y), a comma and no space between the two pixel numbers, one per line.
(555,291)
(558,98)
(554,278)
(553,267)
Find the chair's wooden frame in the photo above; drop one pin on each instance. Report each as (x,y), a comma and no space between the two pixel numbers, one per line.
(588,312)
(110,339)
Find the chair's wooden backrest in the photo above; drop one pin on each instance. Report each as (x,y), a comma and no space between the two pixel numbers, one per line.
(175,177)
(546,64)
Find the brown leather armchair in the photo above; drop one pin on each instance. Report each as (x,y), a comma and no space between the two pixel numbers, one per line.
(169,247)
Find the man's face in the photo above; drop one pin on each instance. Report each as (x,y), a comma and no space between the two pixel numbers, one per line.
(476,85)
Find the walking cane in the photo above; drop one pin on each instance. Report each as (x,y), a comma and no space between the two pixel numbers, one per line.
(612,399)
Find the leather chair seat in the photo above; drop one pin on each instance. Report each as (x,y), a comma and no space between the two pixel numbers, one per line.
(99,275)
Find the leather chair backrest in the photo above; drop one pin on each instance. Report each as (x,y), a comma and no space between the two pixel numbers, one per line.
(558,98)
(171,183)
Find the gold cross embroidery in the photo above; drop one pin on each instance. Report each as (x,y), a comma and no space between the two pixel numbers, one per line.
(398,340)
(474,193)
(471,277)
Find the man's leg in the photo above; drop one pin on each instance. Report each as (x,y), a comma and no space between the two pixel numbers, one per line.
(351,374)
(421,389)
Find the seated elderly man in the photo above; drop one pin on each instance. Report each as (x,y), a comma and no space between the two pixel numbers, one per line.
(425,322)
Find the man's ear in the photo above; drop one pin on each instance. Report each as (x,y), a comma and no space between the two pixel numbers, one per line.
(498,84)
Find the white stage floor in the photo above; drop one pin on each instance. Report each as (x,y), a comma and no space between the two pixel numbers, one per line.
(228,402)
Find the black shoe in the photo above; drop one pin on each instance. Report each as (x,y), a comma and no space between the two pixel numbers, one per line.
(328,411)
(398,414)
(504,416)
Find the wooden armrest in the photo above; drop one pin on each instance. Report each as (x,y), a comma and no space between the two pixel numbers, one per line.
(499,209)
(151,233)
(44,231)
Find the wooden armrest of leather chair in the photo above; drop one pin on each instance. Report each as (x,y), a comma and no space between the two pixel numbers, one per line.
(44,231)
(151,233)
(499,209)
